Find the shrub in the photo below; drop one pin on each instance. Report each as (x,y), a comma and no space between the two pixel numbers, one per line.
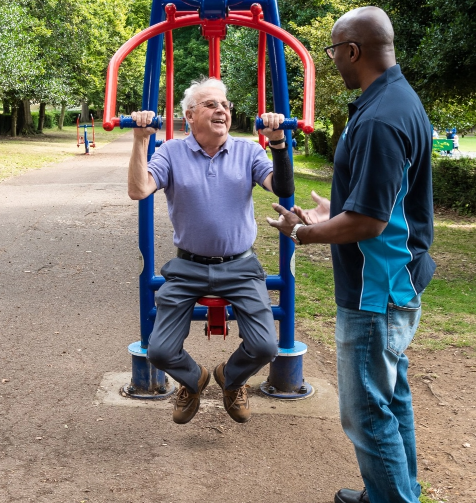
(298,136)
(5,123)
(454,184)
(70,117)
(51,119)
(321,143)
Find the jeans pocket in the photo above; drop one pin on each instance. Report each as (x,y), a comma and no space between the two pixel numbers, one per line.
(402,325)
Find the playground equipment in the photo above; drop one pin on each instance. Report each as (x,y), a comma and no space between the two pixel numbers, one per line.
(213,16)
(442,145)
(84,139)
(446,146)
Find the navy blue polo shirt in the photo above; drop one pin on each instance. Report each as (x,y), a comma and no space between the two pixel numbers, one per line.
(382,169)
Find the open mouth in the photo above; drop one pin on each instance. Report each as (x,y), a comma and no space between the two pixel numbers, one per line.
(218,121)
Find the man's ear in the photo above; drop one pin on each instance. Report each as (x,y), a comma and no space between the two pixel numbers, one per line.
(354,52)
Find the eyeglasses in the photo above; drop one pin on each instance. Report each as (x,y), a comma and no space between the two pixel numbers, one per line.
(330,48)
(212,104)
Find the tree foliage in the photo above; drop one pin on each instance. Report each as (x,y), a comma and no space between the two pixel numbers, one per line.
(435,42)
(190,59)
(19,49)
(57,51)
(240,68)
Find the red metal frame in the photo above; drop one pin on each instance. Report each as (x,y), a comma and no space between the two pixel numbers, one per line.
(93,144)
(77,130)
(262,81)
(216,315)
(169,87)
(214,30)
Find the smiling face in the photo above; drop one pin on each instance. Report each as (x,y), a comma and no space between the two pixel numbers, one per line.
(209,125)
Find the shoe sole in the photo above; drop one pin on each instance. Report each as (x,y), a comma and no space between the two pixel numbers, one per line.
(198,405)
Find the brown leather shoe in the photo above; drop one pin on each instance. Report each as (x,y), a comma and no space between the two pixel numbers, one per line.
(186,403)
(235,400)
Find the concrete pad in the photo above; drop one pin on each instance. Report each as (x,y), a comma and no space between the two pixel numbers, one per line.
(322,403)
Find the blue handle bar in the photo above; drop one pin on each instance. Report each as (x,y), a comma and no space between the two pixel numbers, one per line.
(287,124)
(127,122)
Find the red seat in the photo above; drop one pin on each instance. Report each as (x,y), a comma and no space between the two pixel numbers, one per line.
(216,317)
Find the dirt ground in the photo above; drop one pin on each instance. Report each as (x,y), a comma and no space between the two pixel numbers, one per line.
(68,310)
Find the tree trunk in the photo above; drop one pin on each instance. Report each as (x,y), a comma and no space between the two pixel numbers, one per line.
(338,123)
(306,145)
(14,119)
(25,122)
(41,118)
(61,117)
(242,121)
(84,111)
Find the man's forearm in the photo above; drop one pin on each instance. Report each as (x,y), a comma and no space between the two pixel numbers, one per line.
(138,176)
(347,227)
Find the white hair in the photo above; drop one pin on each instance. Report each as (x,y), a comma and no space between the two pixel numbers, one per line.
(196,87)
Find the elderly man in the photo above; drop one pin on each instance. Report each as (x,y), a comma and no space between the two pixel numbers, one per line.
(380,226)
(208,180)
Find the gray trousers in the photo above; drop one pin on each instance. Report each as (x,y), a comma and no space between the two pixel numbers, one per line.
(242,283)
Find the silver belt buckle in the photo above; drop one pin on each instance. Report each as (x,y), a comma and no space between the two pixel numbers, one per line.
(219,260)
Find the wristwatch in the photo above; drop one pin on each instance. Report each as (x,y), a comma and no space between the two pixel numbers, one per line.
(293,235)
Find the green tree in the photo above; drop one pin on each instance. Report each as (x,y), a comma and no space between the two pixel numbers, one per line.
(190,59)
(331,96)
(19,49)
(450,113)
(435,42)
(239,67)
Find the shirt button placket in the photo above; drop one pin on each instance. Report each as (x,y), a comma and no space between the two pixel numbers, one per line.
(211,168)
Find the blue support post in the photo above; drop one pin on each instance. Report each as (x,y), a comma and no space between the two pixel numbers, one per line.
(147,381)
(86,141)
(286,378)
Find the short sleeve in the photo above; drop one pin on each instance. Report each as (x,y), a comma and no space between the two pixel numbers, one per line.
(159,166)
(262,166)
(378,157)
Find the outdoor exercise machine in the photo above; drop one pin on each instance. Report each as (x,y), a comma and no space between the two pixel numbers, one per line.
(213,16)
(84,139)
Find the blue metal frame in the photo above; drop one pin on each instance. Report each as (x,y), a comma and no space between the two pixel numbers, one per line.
(288,364)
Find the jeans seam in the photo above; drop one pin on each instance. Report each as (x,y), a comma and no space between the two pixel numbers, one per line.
(371,415)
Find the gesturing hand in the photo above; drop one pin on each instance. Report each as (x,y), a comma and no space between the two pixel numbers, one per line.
(316,215)
(286,221)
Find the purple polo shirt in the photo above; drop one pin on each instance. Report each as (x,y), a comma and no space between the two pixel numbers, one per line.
(210,199)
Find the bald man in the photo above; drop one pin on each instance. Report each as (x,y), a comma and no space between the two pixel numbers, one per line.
(380,226)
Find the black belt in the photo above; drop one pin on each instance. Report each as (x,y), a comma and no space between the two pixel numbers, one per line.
(211,260)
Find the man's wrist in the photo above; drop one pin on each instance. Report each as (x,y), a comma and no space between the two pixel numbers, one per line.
(294,235)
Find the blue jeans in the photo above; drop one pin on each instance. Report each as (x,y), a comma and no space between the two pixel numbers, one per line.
(375,399)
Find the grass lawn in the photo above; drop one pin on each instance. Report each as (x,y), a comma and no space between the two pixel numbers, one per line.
(21,153)
(467,144)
